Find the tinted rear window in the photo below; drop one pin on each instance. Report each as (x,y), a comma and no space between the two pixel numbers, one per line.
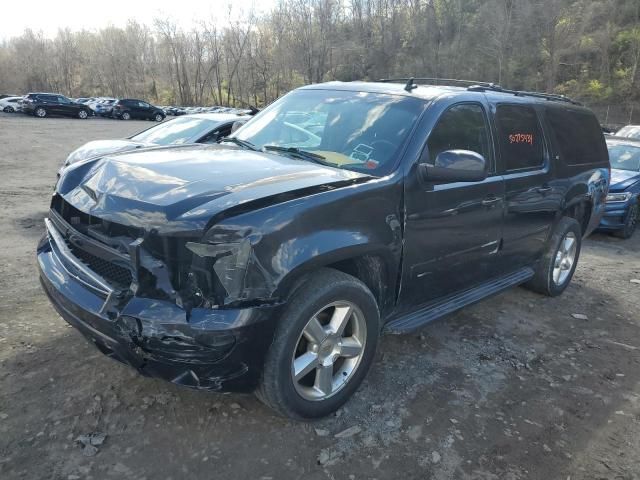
(520,137)
(578,136)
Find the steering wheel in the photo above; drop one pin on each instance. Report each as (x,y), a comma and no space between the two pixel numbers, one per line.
(311,140)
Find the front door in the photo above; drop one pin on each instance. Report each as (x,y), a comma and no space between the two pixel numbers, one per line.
(142,110)
(453,230)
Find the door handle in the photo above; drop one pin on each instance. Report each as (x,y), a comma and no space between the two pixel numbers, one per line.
(544,189)
(490,201)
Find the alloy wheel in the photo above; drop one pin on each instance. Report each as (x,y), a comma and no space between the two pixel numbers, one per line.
(41,112)
(329,351)
(565,258)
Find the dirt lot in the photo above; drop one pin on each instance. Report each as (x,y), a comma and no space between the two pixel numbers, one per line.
(512,388)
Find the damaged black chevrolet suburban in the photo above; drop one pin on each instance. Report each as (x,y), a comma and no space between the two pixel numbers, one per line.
(272,261)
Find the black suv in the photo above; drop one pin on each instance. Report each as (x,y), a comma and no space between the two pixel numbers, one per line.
(130,108)
(273,261)
(45,104)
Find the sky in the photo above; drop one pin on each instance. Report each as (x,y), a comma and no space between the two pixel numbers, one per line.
(50,15)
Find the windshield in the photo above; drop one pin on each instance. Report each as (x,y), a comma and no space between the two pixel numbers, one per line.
(175,132)
(630,131)
(625,157)
(352,130)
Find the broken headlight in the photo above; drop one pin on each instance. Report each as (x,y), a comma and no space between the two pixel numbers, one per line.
(230,262)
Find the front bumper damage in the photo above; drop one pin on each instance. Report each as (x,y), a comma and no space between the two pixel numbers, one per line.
(204,348)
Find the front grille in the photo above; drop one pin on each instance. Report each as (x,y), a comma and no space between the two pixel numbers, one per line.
(111,272)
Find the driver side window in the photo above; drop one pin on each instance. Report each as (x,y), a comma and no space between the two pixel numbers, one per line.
(461,127)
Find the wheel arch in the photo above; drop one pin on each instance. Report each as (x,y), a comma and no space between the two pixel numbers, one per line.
(374,267)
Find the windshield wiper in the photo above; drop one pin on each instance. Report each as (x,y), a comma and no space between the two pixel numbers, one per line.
(239,142)
(314,157)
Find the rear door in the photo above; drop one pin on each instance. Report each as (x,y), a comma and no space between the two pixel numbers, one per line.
(453,230)
(532,198)
(50,103)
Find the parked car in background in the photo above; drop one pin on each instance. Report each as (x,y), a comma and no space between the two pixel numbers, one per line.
(621,212)
(104,107)
(5,95)
(131,108)
(45,104)
(271,262)
(11,104)
(630,131)
(201,128)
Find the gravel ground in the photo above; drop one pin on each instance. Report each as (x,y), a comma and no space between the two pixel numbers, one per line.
(515,387)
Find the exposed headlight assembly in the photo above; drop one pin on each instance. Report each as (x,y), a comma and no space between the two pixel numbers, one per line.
(230,262)
(618,197)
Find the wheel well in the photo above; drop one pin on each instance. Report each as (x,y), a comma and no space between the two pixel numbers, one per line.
(372,271)
(581,212)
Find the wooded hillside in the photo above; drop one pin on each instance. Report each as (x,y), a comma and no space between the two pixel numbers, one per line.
(588,49)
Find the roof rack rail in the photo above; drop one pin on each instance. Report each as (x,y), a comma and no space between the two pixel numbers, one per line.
(435,81)
(477,86)
(522,93)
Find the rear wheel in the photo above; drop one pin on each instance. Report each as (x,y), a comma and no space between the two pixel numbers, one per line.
(322,348)
(40,112)
(630,223)
(125,116)
(158,117)
(8,110)
(555,270)
(83,114)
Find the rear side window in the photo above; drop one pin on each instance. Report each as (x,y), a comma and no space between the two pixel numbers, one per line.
(520,137)
(462,127)
(578,136)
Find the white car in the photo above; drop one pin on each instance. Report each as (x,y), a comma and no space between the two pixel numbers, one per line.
(10,104)
(630,131)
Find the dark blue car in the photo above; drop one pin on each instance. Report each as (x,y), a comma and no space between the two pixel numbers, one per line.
(621,211)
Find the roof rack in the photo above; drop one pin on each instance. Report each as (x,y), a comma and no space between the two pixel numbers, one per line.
(522,93)
(476,86)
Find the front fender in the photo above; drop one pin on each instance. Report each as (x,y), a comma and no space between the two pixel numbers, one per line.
(295,237)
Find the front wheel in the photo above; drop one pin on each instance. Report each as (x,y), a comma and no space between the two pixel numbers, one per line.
(158,117)
(630,223)
(82,114)
(322,348)
(558,264)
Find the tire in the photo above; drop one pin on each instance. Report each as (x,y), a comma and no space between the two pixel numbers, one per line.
(125,116)
(158,117)
(327,294)
(630,223)
(83,114)
(40,112)
(546,279)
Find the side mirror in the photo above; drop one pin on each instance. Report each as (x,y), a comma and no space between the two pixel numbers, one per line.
(237,124)
(455,166)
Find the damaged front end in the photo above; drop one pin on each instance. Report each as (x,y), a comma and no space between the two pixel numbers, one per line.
(173,306)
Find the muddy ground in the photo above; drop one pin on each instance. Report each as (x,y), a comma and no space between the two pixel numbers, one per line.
(512,388)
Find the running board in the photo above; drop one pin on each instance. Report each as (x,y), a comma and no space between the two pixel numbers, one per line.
(455,302)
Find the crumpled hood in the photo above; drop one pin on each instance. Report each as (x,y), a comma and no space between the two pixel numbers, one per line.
(180,188)
(102,147)
(622,179)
